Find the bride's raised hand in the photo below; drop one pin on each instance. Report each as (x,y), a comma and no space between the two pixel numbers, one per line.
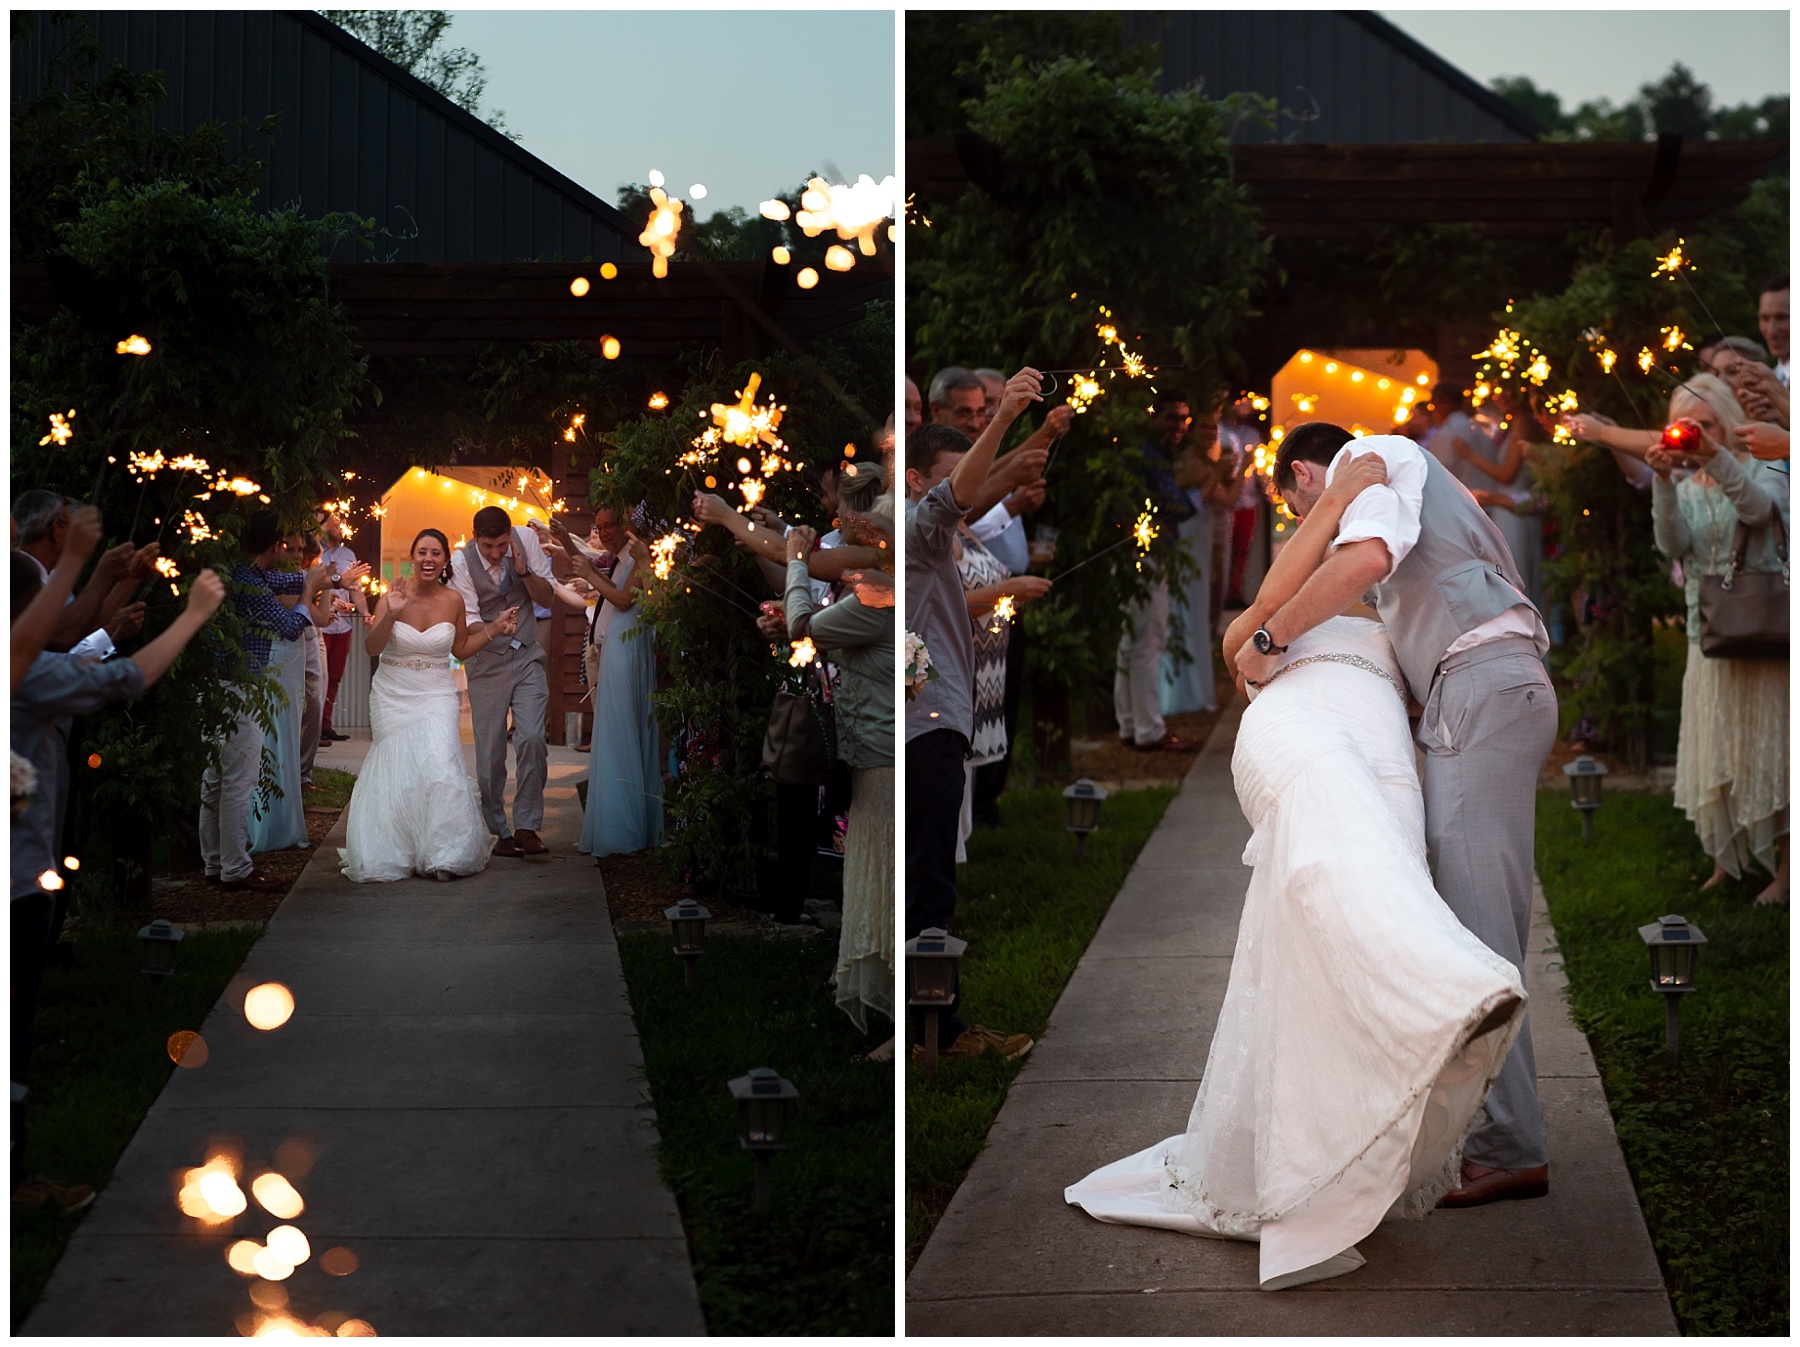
(396,598)
(1354,477)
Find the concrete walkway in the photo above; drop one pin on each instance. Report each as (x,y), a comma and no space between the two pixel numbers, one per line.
(463,1060)
(1118,1070)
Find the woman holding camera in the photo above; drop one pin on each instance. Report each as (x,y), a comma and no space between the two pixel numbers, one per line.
(1731,767)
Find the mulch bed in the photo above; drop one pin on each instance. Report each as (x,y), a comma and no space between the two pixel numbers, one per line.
(637,894)
(188,899)
(1107,759)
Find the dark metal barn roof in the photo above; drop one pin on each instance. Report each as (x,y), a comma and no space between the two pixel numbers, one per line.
(1342,76)
(358,134)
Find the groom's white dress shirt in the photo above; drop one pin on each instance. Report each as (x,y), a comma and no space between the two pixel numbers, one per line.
(1391,513)
(537,561)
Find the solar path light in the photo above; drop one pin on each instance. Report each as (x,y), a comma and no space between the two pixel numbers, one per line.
(763,1097)
(932,959)
(1586,777)
(161,941)
(1674,946)
(1084,799)
(687,924)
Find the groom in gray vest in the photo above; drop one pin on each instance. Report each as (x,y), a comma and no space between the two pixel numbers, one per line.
(501,568)
(1472,646)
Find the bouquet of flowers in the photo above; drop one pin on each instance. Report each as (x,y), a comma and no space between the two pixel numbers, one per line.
(919,670)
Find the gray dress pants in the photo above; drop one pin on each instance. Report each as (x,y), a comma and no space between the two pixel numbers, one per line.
(523,686)
(1488,725)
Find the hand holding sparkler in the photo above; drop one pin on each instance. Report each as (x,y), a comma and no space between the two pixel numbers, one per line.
(1764,397)
(506,624)
(1021,391)
(1764,440)
(771,620)
(205,595)
(1025,588)
(800,542)
(126,623)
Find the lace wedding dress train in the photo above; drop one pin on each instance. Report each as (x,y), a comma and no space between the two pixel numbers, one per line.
(1362,1023)
(415,809)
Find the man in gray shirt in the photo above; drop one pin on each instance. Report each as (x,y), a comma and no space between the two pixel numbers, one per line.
(944,477)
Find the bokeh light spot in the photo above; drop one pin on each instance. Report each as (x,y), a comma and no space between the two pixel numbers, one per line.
(268,1006)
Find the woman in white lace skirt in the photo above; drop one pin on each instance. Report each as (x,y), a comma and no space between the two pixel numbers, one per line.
(1731,765)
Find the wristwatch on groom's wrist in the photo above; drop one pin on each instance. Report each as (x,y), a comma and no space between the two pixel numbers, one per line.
(1265,643)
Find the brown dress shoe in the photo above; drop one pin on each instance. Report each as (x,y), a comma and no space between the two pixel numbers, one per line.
(38,1191)
(256,881)
(530,844)
(1482,1185)
(507,846)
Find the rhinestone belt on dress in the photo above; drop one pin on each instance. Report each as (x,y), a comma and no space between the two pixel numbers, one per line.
(413,662)
(1355,661)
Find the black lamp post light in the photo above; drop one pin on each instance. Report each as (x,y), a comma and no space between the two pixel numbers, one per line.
(1674,945)
(687,923)
(1586,776)
(762,1098)
(1084,799)
(161,941)
(932,957)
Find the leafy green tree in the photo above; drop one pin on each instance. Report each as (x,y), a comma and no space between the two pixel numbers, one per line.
(1677,102)
(1606,567)
(413,40)
(1110,194)
(252,368)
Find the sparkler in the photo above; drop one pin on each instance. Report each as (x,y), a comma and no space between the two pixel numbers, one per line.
(1003,612)
(1144,532)
(855,210)
(60,429)
(804,653)
(745,423)
(662,554)
(661,230)
(133,345)
(1676,263)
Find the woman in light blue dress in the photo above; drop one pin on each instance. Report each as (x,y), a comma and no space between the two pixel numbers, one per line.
(624,798)
(1186,685)
(276,824)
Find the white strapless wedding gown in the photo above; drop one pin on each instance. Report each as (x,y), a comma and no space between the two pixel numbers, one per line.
(415,809)
(1362,1023)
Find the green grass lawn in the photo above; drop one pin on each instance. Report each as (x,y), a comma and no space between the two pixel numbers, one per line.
(1028,912)
(101,1061)
(333,788)
(823,1262)
(1707,1142)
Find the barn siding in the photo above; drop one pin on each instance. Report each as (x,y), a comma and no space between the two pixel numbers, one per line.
(1372,84)
(357,135)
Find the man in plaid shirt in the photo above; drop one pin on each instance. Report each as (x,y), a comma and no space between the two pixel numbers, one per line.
(228,787)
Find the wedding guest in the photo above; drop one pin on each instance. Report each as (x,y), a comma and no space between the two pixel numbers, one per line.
(277,814)
(1457,441)
(55,688)
(944,475)
(1233,519)
(1508,495)
(1723,355)
(624,800)
(957,399)
(33,630)
(1204,474)
(1772,322)
(1731,764)
(915,408)
(1137,704)
(993,386)
(104,611)
(860,641)
(338,557)
(228,786)
(312,710)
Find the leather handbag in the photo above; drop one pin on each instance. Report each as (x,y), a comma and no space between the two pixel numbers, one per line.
(1744,614)
(800,745)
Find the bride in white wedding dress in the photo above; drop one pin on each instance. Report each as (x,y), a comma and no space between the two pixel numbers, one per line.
(1362,1023)
(415,809)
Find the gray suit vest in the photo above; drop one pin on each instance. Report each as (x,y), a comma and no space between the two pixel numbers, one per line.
(491,600)
(1459,575)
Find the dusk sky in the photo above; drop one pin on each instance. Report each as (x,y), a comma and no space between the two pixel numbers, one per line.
(745,102)
(1742,55)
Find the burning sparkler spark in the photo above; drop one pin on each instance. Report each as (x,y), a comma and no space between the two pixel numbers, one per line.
(658,401)
(1645,360)
(609,346)
(133,345)
(661,230)
(1674,339)
(60,430)
(165,567)
(662,555)
(753,491)
(804,653)
(1608,359)
(1145,532)
(1003,611)
(854,210)
(1672,264)
(744,422)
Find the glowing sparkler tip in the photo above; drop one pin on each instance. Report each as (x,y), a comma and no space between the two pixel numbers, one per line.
(804,653)
(133,345)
